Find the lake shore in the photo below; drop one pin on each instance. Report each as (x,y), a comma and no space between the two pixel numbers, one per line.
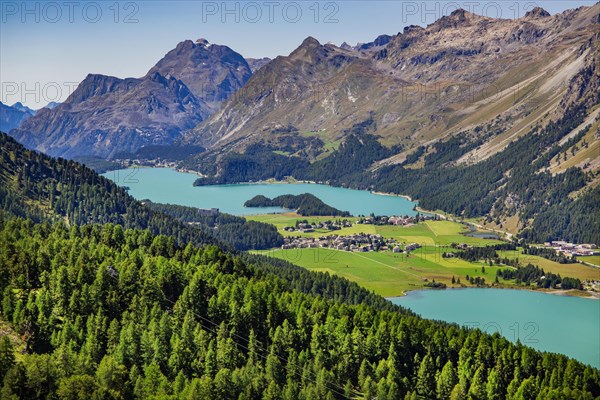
(175,186)
(396,195)
(582,294)
(187,171)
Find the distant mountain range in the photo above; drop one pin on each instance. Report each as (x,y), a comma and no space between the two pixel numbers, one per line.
(464,75)
(19,106)
(52,105)
(13,116)
(105,114)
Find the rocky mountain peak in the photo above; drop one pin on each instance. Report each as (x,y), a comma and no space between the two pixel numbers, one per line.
(186,44)
(52,105)
(107,114)
(95,85)
(459,14)
(212,72)
(19,106)
(458,18)
(308,49)
(537,12)
(380,40)
(310,42)
(12,117)
(412,28)
(257,63)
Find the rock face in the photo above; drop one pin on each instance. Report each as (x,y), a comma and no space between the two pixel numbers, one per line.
(12,117)
(267,102)
(380,40)
(105,115)
(212,72)
(463,73)
(537,12)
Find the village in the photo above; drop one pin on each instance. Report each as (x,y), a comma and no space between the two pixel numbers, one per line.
(306,227)
(142,162)
(571,249)
(359,242)
(394,220)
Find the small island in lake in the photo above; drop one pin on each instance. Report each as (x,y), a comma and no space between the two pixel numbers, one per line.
(305,204)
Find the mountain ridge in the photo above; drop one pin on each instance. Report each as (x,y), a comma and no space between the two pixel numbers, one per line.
(424,85)
(106,114)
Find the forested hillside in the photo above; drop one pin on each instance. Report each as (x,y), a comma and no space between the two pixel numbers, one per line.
(39,187)
(60,189)
(111,313)
(236,231)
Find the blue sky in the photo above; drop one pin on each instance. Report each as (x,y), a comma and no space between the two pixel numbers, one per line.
(47,47)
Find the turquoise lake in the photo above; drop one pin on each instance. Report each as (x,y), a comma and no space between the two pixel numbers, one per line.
(558,324)
(163,185)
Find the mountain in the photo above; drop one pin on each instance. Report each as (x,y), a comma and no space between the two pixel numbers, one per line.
(379,41)
(12,117)
(19,106)
(257,63)
(463,74)
(105,115)
(212,72)
(504,128)
(52,105)
(120,311)
(278,95)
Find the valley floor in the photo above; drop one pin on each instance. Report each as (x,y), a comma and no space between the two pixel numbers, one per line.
(393,274)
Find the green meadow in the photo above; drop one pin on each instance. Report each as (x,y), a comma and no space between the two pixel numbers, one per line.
(575,270)
(591,259)
(386,273)
(391,274)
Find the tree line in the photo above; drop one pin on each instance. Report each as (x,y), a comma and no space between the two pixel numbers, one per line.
(231,229)
(532,274)
(305,204)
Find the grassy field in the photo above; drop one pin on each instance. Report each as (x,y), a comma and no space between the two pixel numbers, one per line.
(591,259)
(428,233)
(575,270)
(386,273)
